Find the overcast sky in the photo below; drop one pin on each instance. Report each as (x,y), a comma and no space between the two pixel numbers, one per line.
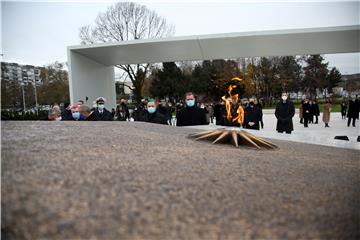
(38,33)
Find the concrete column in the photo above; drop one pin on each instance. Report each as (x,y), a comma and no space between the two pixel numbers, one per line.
(88,78)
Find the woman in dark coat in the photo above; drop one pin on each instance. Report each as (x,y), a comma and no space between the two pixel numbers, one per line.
(252,116)
(122,112)
(284,113)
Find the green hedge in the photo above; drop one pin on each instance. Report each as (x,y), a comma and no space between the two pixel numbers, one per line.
(12,115)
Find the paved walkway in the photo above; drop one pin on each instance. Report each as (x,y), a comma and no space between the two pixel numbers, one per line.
(314,134)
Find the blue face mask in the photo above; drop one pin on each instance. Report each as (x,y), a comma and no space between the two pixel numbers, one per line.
(190,103)
(76,115)
(151,109)
(101,106)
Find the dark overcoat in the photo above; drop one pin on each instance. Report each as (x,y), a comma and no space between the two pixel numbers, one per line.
(284,113)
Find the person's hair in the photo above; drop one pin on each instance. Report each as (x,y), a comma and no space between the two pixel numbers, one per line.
(56,111)
(188,94)
(155,103)
(81,101)
(84,108)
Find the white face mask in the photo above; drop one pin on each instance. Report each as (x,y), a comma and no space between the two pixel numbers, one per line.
(284,98)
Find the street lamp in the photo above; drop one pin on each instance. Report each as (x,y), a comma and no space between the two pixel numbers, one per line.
(23,95)
(36,101)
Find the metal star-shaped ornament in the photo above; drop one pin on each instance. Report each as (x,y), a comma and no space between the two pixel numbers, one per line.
(235,137)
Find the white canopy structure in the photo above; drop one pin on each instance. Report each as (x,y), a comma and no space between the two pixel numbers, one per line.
(91,68)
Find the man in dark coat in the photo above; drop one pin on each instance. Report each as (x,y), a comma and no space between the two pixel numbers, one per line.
(152,115)
(101,113)
(259,105)
(219,113)
(252,116)
(343,106)
(316,111)
(164,109)
(306,112)
(311,115)
(357,104)
(66,113)
(284,113)
(86,114)
(352,113)
(140,110)
(191,114)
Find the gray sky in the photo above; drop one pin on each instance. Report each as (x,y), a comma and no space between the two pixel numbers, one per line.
(38,32)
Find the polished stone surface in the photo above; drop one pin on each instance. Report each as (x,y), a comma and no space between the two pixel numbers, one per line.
(126,180)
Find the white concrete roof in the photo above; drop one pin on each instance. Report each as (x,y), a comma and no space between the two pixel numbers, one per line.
(344,39)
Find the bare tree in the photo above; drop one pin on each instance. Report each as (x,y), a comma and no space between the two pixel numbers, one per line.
(126,21)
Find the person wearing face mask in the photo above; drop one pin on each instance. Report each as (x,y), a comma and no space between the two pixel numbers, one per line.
(101,113)
(75,111)
(284,113)
(152,115)
(191,114)
(252,116)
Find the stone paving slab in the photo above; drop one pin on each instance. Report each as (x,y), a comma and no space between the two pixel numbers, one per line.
(132,180)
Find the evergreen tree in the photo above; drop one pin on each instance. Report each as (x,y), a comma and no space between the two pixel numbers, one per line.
(315,74)
(333,79)
(290,73)
(168,82)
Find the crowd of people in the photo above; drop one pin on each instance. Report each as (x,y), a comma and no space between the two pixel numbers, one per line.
(309,111)
(190,112)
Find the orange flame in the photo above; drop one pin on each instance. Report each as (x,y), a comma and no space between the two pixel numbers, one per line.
(239,117)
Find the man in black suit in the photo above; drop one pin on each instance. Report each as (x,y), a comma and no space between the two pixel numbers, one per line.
(191,114)
(101,113)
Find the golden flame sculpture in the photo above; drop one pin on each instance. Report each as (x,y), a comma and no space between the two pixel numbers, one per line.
(235,136)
